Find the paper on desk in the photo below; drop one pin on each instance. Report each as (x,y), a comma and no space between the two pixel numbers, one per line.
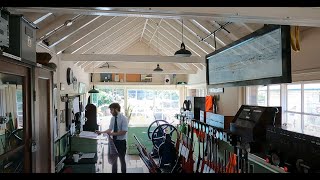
(88,134)
(88,155)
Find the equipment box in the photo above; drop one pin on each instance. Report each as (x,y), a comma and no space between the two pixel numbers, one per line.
(22,38)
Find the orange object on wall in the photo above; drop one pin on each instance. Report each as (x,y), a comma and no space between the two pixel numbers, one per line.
(209,103)
(133,77)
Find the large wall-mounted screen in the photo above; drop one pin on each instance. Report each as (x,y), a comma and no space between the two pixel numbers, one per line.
(260,58)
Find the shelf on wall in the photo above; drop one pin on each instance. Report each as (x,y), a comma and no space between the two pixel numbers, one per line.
(133,83)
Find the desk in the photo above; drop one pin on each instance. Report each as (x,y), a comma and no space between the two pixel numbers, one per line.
(83,165)
(86,145)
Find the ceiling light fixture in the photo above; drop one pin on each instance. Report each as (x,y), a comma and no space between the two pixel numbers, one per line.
(182,52)
(93,90)
(68,23)
(158,69)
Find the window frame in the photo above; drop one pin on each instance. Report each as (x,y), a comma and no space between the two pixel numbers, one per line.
(284,102)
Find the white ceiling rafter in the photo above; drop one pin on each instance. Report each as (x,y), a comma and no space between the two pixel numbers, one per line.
(89,63)
(96,37)
(122,33)
(167,53)
(38,20)
(193,32)
(120,47)
(190,46)
(171,51)
(302,16)
(145,24)
(76,27)
(83,34)
(121,27)
(120,40)
(139,71)
(128,58)
(156,29)
(187,37)
(51,26)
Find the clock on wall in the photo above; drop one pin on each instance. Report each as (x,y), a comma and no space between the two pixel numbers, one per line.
(69,76)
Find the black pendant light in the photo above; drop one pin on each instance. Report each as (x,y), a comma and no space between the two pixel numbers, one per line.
(158,69)
(93,90)
(182,52)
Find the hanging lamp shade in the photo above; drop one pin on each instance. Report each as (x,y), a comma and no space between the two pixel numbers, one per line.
(158,69)
(182,52)
(93,90)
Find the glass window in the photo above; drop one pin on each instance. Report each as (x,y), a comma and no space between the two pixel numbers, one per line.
(294,97)
(312,98)
(274,95)
(103,99)
(150,105)
(312,125)
(293,122)
(11,122)
(262,96)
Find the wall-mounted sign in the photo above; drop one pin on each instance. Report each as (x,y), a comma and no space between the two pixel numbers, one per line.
(216,90)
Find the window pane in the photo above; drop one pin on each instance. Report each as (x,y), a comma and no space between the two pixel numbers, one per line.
(252,95)
(294,97)
(262,96)
(312,98)
(11,118)
(293,122)
(131,94)
(312,125)
(104,98)
(153,104)
(274,95)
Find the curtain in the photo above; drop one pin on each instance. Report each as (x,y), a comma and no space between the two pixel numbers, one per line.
(2,101)
(10,102)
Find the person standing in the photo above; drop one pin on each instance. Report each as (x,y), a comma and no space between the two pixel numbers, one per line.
(118,129)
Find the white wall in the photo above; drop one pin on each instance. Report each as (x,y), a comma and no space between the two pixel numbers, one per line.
(305,66)
(140,48)
(306,63)
(60,76)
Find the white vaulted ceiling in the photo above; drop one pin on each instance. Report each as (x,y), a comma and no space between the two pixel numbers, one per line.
(104,35)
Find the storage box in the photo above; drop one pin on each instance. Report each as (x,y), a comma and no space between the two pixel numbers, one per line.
(22,38)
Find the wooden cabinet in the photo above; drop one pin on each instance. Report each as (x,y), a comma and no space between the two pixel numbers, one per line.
(15,115)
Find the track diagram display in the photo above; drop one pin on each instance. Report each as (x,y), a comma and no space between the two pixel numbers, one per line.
(258,56)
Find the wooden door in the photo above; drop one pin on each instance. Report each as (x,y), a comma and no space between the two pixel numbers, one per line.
(43,132)
(15,134)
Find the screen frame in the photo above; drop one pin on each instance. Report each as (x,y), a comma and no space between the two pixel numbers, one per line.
(286,59)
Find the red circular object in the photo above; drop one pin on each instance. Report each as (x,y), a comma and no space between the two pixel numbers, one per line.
(285,169)
(267,160)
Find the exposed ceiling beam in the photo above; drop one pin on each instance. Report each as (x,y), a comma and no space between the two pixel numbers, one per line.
(130,58)
(171,52)
(94,37)
(139,71)
(188,38)
(127,45)
(83,35)
(144,27)
(302,16)
(121,42)
(117,33)
(38,20)
(68,31)
(59,21)
(156,30)
(190,45)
